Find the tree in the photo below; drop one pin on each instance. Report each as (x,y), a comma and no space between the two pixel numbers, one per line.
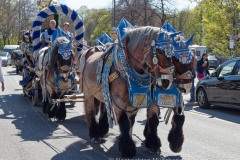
(103,26)
(100,18)
(15,16)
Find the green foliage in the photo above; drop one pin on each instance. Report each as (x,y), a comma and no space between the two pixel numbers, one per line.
(103,26)
(212,22)
(97,22)
(218,27)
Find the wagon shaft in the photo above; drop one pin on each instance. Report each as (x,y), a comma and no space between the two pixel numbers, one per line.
(68,100)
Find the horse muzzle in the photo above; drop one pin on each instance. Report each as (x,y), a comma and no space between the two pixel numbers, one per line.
(165,81)
(185,88)
(65,76)
(65,68)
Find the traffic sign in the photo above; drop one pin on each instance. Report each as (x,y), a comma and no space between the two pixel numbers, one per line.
(231,44)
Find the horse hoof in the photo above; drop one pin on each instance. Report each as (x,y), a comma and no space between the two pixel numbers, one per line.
(153,150)
(96,140)
(175,149)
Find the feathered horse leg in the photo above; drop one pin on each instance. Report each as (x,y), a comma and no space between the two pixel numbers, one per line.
(176,136)
(103,125)
(127,147)
(152,142)
(96,129)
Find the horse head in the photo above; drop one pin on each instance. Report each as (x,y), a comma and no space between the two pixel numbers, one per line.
(162,57)
(62,56)
(183,62)
(150,49)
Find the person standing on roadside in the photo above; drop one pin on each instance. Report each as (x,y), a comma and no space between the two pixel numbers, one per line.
(1,76)
(202,67)
(192,93)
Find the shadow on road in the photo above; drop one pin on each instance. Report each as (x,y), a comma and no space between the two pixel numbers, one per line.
(107,149)
(32,125)
(228,114)
(12,73)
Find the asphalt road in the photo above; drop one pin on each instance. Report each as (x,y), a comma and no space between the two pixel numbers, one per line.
(27,134)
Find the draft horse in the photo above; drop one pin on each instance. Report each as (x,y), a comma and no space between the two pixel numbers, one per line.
(183,65)
(139,60)
(55,65)
(55,72)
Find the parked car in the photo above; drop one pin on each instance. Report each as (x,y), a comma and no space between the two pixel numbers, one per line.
(6,58)
(222,87)
(10,49)
(213,62)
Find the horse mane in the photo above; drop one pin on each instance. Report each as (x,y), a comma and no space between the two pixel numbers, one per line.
(141,37)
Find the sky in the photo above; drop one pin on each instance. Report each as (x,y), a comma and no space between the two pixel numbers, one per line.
(97,4)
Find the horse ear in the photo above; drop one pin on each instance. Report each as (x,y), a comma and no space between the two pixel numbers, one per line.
(160,37)
(189,41)
(172,35)
(174,43)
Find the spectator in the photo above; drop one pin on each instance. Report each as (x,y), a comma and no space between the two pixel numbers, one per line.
(1,75)
(202,67)
(192,93)
(66,26)
(48,32)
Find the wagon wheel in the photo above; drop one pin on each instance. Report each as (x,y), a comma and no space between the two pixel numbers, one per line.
(35,92)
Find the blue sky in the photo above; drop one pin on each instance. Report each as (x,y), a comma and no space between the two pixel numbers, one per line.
(75,4)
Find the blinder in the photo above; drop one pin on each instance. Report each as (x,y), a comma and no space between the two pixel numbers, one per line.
(184,56)
(163,42)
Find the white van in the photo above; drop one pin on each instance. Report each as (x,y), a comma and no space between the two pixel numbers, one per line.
(10,48)
(199,50)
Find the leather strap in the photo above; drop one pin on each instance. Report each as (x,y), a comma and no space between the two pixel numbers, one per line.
(168,70)
(95,89)
(186,75)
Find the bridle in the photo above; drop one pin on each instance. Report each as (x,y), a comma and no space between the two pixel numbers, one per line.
(65,70)
(184,60)
(141,64)
(163,42)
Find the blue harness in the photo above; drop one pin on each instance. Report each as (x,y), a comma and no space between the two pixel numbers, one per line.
(140,88)
(64,49)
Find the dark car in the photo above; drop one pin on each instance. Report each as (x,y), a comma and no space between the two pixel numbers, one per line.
(222,87)
(213,62)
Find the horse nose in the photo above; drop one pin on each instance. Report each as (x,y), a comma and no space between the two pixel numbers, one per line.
(185,88)
(164,83)
(65,76)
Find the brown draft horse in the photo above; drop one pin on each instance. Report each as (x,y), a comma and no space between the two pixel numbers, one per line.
(139,51)
(53,68)
(183,64)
